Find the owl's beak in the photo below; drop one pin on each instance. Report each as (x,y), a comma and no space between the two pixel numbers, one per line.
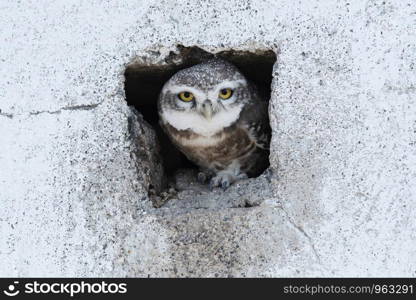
(207,109)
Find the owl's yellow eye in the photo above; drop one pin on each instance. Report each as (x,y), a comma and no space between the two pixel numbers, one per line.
(225,93)
(186,96)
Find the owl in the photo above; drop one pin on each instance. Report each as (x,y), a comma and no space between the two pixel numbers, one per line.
(217,118)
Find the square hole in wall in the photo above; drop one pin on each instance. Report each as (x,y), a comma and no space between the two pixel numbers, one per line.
(143,84)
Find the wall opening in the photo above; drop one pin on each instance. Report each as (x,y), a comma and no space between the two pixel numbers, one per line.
(144,81)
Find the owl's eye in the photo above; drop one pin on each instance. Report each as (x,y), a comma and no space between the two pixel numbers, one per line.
(225,93)
(186,96)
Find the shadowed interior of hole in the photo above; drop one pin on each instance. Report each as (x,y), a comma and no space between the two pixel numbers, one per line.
(144,82)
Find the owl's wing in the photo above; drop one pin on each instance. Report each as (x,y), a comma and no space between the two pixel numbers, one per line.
(255,119)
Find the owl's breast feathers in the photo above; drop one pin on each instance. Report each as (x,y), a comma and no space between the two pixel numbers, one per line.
(245,141)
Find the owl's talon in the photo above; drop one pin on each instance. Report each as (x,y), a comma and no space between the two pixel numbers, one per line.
(215,182)
(225,184)
(221,180)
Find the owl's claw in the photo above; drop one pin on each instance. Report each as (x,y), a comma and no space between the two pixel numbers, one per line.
(225,184)
(215,182)
(224,180)
(219,181)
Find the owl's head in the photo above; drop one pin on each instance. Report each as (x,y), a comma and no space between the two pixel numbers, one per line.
(210,94)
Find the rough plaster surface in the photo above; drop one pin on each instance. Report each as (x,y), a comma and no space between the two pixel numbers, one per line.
(74,173)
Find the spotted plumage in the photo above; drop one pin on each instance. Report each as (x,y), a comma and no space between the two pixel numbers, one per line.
(217,119)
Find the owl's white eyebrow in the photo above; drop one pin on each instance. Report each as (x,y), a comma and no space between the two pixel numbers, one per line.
(232,84)
(181,88)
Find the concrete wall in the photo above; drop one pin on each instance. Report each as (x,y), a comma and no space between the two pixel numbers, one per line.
(74,175)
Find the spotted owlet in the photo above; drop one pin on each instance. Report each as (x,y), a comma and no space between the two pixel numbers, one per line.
(217,118)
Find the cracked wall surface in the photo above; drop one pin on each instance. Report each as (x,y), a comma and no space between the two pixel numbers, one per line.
(339,199)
